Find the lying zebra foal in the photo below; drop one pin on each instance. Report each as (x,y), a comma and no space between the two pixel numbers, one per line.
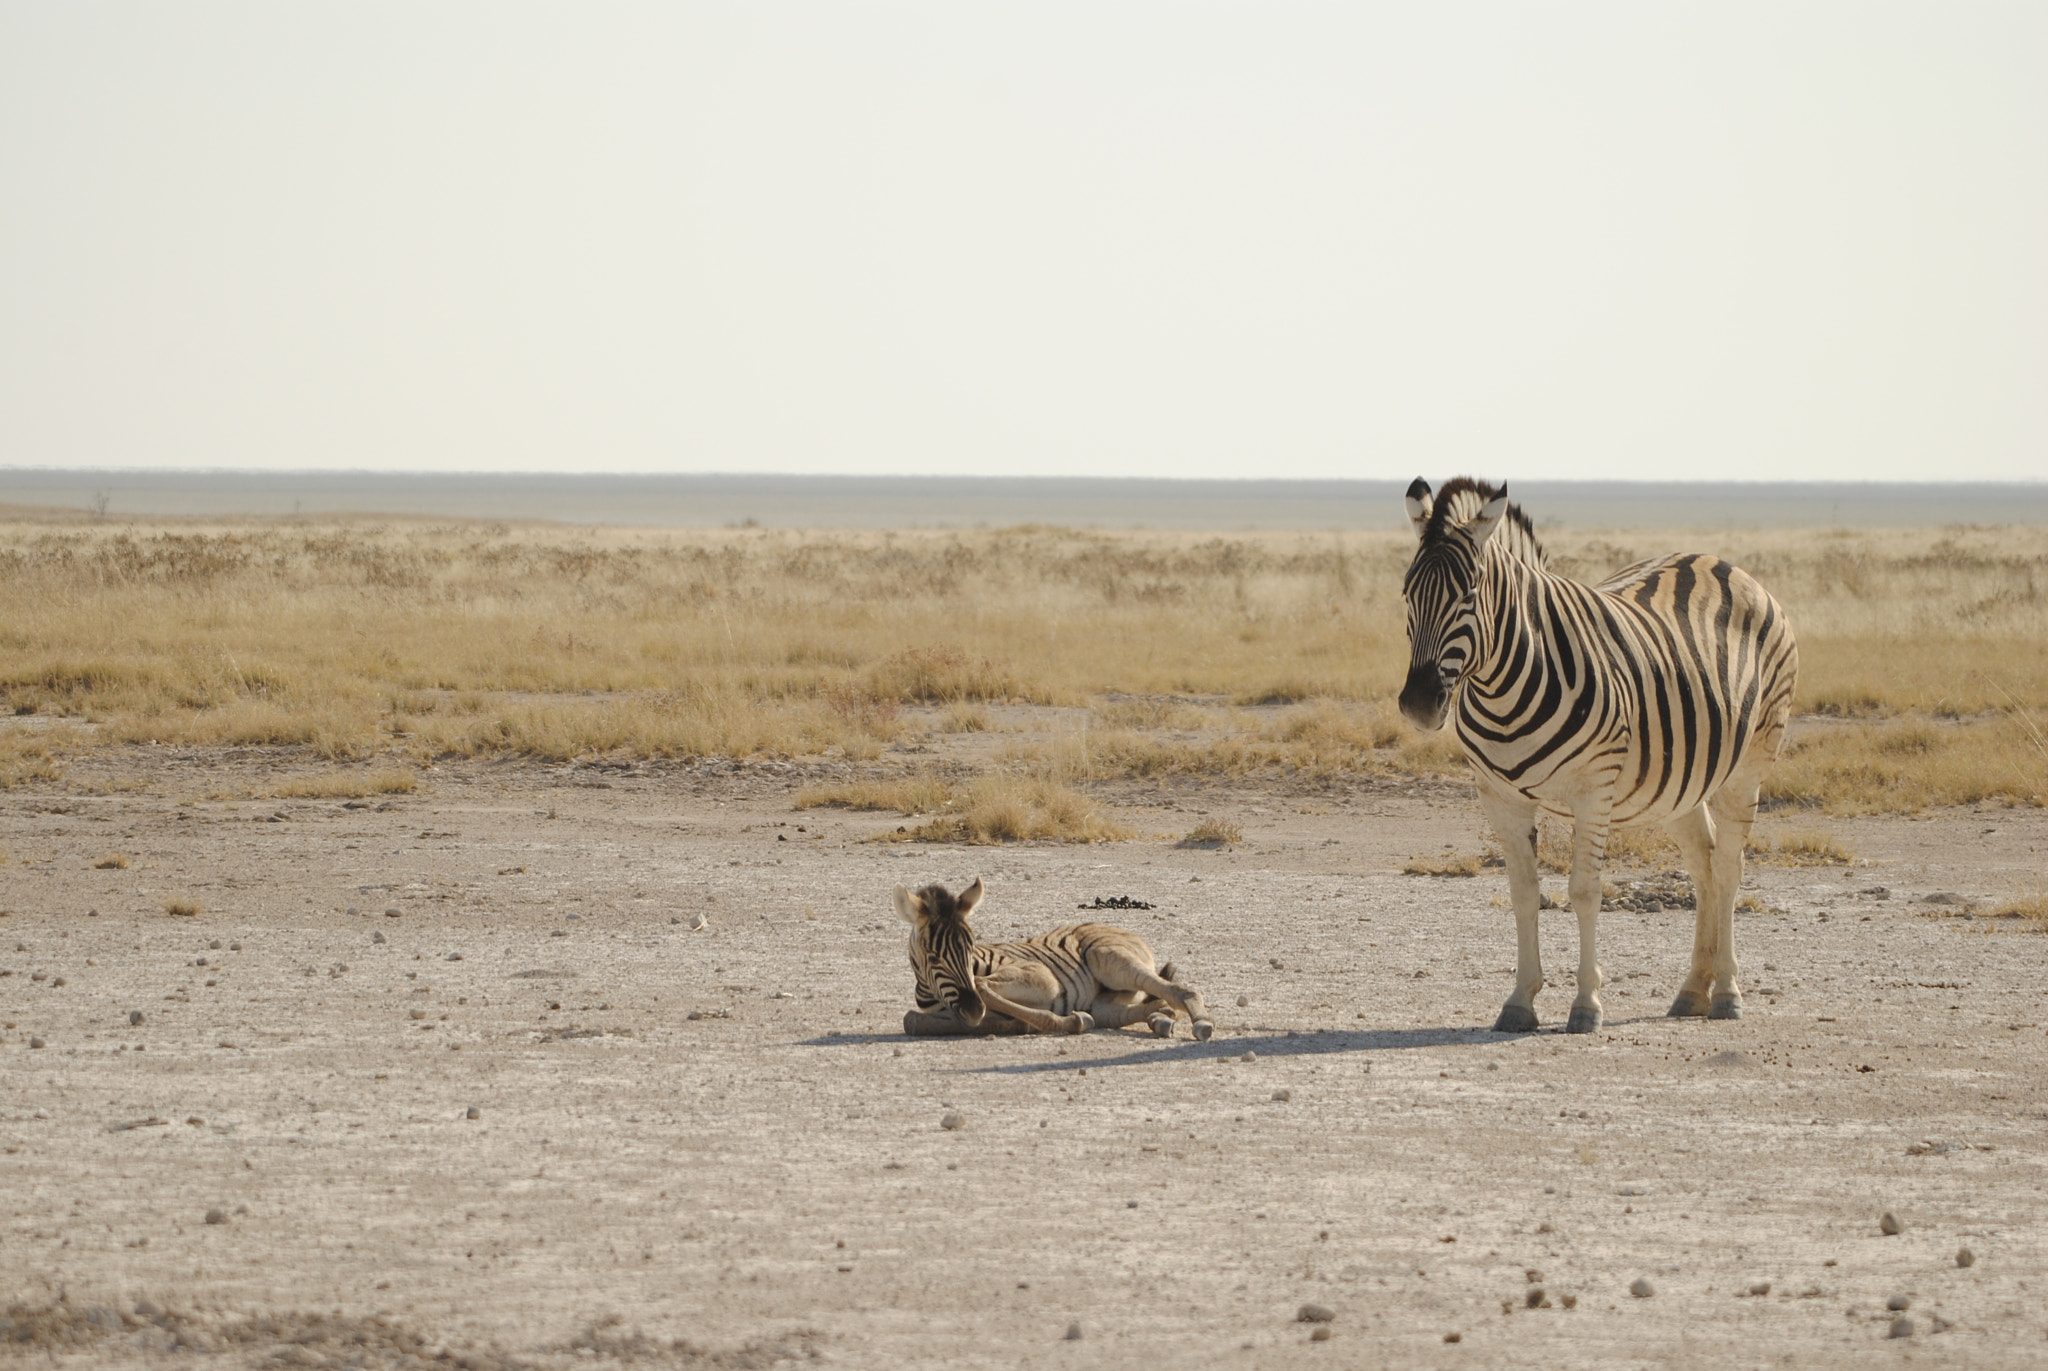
(1073,979)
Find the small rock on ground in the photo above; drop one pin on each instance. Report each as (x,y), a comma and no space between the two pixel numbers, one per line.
(1903,1327)
(1889,1225)
(1965,1257)
(1899,1304)
(1641,1288)
(216,1216)
(1074,1332)
(950,1121)
(1315,1313)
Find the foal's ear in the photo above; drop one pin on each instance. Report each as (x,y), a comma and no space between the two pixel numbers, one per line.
(1420,503)
(907,905)
(971,897)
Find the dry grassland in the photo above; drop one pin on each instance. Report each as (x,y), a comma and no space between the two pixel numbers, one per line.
(383,645)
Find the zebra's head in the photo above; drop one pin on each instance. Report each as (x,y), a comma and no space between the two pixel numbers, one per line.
(942,949)
(1442,590)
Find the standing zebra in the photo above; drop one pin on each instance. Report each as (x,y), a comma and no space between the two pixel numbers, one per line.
(1659,695)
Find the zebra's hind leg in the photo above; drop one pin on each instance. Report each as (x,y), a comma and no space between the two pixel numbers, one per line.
(1514,823)
(1734,806)
(1694,832)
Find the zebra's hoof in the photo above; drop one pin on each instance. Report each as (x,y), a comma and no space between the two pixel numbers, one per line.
(1204,1030)
(1726,1007)
(1583,1020)
(1084,1022)
(1515,1018)
(1690,1004)
(1161,1025)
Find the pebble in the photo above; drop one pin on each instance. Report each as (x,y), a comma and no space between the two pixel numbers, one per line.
(473,1113)
(216,1216)
(214,945)
(1074,1331)
(1760,1288)
(378,936)
(353,910)
(415,1013)
(1454,1337)
(1243,1001)
(1536,1298)
(134,1016)
(1641,1288)
(1249,1057)
(454,956)
(1322,1334)
(1899,1304)
(392,912)
(951,1121)
(697,922)
(1889,1225)
(1282,1096)
(1903,1327)
(35,1042)
(1314,1313)
(1965,1257)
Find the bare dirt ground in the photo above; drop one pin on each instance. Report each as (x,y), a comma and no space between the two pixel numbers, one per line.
(714,1147)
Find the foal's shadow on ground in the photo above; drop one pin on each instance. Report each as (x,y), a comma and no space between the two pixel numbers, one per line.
(1143,1050)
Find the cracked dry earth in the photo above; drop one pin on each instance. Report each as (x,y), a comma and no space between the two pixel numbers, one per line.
(247,1136)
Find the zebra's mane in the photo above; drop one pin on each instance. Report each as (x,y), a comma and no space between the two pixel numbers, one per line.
(941,904)
(1459,503)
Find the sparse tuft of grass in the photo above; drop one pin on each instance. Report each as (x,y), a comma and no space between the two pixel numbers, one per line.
(113,861)
(922,793)
(2030,909)
(1213,833)
(336,785)
(183,907)
(1000,808)
(29,757)
(966,718)
(1445,863)
(1801,847)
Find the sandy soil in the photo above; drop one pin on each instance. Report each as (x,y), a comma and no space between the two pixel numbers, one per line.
(714,1146)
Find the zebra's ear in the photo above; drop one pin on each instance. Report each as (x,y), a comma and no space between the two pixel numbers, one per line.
(1420,503)
(906,905)
(1488,519)
(971,897)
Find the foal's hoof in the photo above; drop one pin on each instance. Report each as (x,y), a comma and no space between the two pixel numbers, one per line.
(1084,1022)
(1583,1020)
(1204,1030)
(1690,1004)
(1726,1007)
(1161,1025)
(1515,1018)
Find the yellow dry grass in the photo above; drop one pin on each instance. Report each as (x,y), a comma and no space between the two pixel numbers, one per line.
(1446,863)
(336,785)
(1002,808)
(1213,833)
(1197,655)
(1799,847)
(180,906)
(113,861)
(2030,910)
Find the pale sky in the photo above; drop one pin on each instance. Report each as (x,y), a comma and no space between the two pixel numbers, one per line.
(1568,240)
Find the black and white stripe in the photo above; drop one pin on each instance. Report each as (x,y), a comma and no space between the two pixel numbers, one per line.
(1659,695)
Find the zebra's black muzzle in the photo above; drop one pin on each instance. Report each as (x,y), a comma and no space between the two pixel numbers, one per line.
(1424,701)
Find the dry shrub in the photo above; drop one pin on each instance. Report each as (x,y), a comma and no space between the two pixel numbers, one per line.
(2031,910)
(1446,863)
(922,793)
(26,757)
(347,785)
(943,675)
(113,861)
(1213,833)
(1645,847)
(1800,847)
(183,907)
(1002,808)
(966,718)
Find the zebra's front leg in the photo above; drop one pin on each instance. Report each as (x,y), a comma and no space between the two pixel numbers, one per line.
(1514,823)
(1589,851)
